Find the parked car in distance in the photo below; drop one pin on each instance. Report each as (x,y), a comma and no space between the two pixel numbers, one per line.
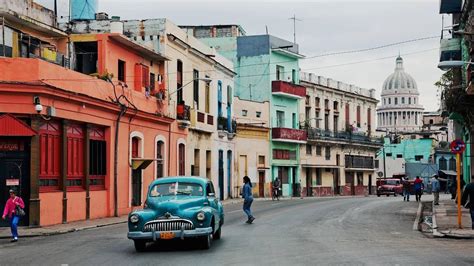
(389,186)
(177,208)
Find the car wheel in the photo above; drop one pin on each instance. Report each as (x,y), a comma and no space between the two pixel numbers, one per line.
(217,234)
(378,195)
(206,242)
(140,245)
(388,195)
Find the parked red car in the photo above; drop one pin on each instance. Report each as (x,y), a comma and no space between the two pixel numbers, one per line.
(389,186)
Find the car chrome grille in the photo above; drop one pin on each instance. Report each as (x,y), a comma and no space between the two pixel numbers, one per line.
(168,225)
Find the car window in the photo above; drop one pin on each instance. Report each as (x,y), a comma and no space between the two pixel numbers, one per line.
(393,182)
(176,188)
(210,188)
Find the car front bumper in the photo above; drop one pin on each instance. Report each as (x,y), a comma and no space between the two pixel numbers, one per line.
(153,236)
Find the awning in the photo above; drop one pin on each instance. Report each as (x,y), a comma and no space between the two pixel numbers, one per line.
(11,126)
(141,163)
(448,172)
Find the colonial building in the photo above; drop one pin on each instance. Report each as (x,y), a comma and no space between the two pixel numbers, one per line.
(339,156)
(400,109)
(200,86)
(84,126)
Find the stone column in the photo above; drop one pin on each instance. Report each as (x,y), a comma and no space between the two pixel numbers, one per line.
(63,180)
(34,215)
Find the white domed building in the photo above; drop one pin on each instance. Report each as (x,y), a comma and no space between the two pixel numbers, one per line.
(400,110)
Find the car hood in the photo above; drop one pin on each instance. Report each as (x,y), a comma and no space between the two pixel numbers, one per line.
(175,204)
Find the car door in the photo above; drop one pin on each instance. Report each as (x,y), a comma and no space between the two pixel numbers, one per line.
(213,201)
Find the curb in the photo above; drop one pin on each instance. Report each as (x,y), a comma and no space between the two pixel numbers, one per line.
(60,232)
(436,233)
(416,224)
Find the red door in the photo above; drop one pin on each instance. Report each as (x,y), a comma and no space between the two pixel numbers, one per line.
(261,185)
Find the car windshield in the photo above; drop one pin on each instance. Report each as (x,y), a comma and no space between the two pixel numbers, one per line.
(392,182)
(176,188)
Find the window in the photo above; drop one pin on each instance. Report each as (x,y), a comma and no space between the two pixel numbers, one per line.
(452,164)
(152,82)
(360,179)
(181,159)
(318,150)
(179,81)
(399,155)
(309,149)
(389,100)
(403,100)
(396,101)
(326,104)
(97,158)
(280,154)
(336,106)
(160,151)
(244,112)
(384,101)
(348,116)
(280,72)
(50,135)
(319,179)
(280,119)
(219,99)
(443,164)
(293,75)
(414,100)
(295,123)
(369,119)
(317,120)
(431,122)
(358,116)
(261,160)
(75,157)
(196,89)
(121,70)
(328,153)
(418,157)
(208,163)
(409,100)
(326,122)
(258,114)
(195,168)
(207,92)
(388,154)
(316,104)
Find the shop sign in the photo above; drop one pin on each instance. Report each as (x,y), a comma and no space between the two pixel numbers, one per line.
(13,182)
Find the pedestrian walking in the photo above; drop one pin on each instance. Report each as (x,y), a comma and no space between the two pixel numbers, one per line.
(13,210)
(406,189)
(435,188)
(418,188)
(248,199)
(467,199)
(454,187)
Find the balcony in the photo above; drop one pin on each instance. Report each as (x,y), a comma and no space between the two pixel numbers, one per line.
(183,115)
(226,127)
(315,134)
(287,89)
(359,162)
(450,50)
(450,6)
(289,135)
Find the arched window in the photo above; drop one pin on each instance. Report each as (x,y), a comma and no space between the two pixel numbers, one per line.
(452,164)
(181,159)
(160,151)
(443,164)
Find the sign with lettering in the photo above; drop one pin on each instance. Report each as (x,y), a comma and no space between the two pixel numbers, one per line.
(13,182)
(11,145)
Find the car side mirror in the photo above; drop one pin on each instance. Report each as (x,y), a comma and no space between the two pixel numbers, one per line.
(211,195)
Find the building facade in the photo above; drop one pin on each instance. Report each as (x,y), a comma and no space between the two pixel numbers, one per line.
(400,109)
(84,127)
(339,156)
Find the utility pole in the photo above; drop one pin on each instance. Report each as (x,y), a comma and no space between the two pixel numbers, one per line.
(294,27)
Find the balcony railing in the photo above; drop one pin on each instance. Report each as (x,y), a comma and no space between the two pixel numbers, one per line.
(223,124)
(288,89)
(321,134)
(183,112)
(359,162)
(289,135)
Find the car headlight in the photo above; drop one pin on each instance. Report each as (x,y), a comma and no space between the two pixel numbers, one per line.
(201,216)
(134,218)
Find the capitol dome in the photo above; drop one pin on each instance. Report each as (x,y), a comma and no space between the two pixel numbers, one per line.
(399,80)
(400,110)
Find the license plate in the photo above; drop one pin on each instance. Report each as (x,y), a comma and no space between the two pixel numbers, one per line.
(166,235)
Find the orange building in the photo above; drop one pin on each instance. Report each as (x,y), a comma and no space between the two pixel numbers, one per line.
(84,126)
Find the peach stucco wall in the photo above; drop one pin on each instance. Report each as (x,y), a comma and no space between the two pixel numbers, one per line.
(76,206)
(99,204)
(51,208)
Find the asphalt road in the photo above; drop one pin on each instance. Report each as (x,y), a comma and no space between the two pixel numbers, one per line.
(333,231)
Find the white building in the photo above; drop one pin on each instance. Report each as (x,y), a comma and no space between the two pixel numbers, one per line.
(400,110)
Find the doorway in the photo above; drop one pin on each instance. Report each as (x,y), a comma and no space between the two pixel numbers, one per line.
(261,184)
(370,184)
(309,179)
(15,173)
(350,182)
(136,175)
(221,175)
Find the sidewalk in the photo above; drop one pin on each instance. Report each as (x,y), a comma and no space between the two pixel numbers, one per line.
(445,220)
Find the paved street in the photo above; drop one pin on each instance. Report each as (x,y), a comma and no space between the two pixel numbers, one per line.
(310,231)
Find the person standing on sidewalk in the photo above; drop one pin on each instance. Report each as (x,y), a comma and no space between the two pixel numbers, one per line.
(406,189)
(418,188)
(248,199)
(435,188)
(10,211)
(467,199)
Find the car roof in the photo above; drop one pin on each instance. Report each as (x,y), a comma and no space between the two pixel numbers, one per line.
(189,179)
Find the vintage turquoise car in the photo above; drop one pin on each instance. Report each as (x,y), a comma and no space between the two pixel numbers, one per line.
(177,208)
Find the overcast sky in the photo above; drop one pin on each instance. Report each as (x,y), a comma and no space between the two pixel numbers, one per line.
(326,26)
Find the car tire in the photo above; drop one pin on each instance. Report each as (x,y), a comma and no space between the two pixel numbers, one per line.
(206,242)
(388,195)
(140,245)
(217,234)
(378,195)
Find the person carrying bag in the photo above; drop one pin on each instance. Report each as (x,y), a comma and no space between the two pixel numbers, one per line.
(14,209)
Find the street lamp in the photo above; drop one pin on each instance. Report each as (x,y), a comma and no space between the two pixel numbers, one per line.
(206,79)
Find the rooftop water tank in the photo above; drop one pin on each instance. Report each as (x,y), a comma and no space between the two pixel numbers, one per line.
(83,9)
